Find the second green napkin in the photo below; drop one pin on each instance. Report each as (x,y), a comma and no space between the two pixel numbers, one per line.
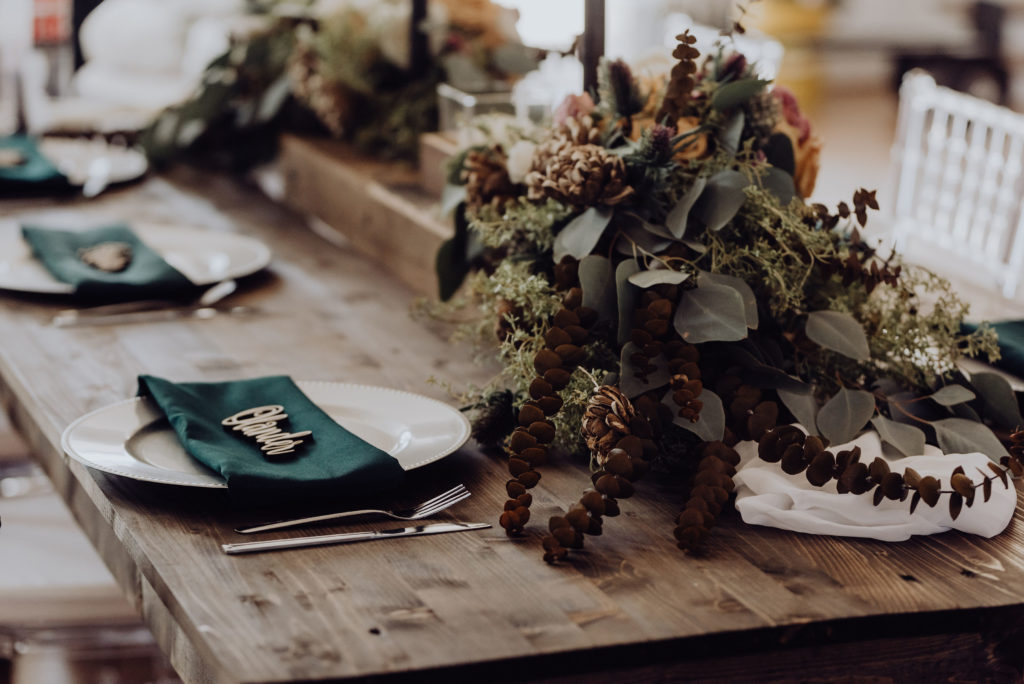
(147,276)
(33,174)
(332,462)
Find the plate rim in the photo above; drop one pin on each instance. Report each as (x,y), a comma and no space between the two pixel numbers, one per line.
(456,443)
(135,152)
(262,256)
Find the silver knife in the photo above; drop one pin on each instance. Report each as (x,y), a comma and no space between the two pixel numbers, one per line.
(348,537)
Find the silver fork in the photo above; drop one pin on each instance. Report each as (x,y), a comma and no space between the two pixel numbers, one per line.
(423,510)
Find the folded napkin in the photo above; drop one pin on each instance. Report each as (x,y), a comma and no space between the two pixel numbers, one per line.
(35,174)
(147,276)
(1011,345)
(332,462)
(767,496)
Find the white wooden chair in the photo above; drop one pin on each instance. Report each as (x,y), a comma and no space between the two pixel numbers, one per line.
(958,207)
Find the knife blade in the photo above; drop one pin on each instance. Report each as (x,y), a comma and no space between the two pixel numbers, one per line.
(349,537)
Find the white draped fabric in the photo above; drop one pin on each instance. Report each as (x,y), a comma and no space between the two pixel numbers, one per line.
(767,496)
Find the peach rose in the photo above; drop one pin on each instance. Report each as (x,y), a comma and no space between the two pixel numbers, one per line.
(573,107)
(697,147)
(806,157)
(806,145)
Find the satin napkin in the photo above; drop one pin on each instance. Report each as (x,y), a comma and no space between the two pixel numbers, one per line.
(148,276)
(767,496)
(332,462)
(35,174)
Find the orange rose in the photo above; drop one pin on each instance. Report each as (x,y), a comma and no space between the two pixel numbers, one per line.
(806,156)
(697,147)
(654,86)
(479,17)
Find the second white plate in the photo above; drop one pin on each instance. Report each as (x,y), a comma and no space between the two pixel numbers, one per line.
(202,256)
(131,438)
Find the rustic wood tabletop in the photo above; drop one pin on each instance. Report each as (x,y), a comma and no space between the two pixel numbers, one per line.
(759,605)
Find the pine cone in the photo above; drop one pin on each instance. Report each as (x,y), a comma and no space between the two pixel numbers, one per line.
(581,175)
(487,179)
(607,418)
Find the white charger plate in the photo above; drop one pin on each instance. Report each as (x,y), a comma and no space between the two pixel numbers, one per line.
(133,439)
(202,256)
(74,157)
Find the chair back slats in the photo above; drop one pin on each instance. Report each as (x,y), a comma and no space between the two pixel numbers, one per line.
(959,185)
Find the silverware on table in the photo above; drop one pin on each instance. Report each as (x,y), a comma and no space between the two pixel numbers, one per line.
(348,537)
(153,309)
(423,510)
(97,177)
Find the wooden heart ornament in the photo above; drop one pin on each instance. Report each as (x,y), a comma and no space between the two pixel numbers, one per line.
(112,257)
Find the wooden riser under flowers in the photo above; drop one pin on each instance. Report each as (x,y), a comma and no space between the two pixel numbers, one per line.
(386,210)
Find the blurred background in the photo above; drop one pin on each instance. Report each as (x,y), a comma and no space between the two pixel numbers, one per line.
(122,61)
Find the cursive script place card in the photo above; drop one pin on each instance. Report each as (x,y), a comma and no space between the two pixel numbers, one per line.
(260,423)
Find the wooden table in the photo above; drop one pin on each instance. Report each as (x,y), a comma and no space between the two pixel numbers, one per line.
(761,604)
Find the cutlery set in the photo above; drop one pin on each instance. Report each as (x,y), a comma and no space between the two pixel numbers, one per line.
(151,310)
(418,512)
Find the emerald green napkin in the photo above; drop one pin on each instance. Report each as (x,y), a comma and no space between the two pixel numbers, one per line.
(332,462)
(1011,345)
(148,276)
(36,173)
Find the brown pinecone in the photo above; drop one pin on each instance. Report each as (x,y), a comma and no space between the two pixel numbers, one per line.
(581,131)
(581,175)
(487,181)
(607,418)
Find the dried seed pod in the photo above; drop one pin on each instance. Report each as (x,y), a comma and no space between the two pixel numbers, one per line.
(772,446)
(528,446)
(821,469)
(585,516)
(712,489)
(929,488)
(681,79)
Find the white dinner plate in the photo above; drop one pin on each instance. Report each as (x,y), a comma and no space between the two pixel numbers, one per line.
(202,256)
(75,158)
(133,439)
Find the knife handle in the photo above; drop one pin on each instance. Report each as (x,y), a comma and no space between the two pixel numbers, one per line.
(297,542)
(346,537)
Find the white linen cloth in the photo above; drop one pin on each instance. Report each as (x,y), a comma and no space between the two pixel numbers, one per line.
(767,496)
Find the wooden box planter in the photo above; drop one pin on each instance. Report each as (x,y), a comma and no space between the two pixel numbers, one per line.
(382,208)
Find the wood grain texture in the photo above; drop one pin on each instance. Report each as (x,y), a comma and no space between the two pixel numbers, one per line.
(381,208)
(759,605)
(435,150)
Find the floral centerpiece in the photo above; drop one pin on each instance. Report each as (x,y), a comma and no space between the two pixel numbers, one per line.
(661,290)
(351,65)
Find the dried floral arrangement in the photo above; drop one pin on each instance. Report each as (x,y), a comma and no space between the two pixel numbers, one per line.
(344,73)
(354,69)
(661,290)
